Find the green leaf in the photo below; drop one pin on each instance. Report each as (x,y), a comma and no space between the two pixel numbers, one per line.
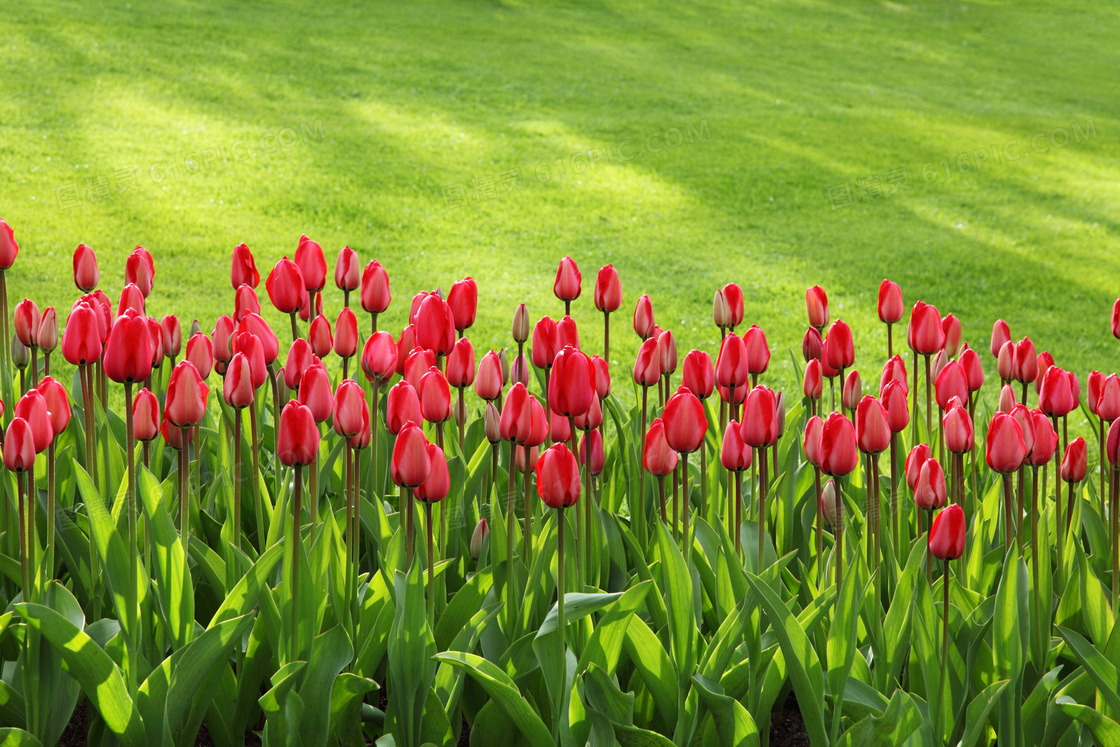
(1099,669)
(653,666)
(88,663)
(734,725)
(842,631)
(176,592)
(411,647)
(804,666)
(976,719)
(683,623)
(901,719)
(244,595)
(1106,732)
(505,693)
(12,737)
(331,651)
(607,639)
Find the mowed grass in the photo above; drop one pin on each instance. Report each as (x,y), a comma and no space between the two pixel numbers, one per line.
(391,105)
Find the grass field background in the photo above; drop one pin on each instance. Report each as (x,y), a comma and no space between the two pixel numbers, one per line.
(396,107)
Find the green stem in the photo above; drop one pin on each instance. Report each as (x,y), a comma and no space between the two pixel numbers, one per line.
(297,511)
(133,639)
(431,569)
(561,627)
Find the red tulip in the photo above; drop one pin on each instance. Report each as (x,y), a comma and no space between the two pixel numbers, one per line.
(402,406)
(559,429)
(929,493)
(237,386)
(973,369)
(299,358)
(758,352)
(200,352)
(223,339)
(812,345)
(733,295)
(128,354)
(571,388)
(58,403)
(438,483)
(567,283)
(363,438)
(647,366)
(698,375)
(349,406)
(8,246)
(312,264)
(1044,362)
(32,407)
(926,335)
(86,273)
(1006,398)
(602,375)
(1056,398)
(463,300)
(873,433)
(914,461)
(1075,461)
(285,286)
(81,342)
(19,441)
(305,312)
(488,381)
(347,270)
(544,343)
(759,427)
(567,335)
(1005,449)
(417,364)
(816,303)
(643,317)
(852,390)
(721,312)
(47,339)
(186,396)
(519,371)
(813,385)
(319,335)
(591,419)
(315,392)
(735,455)
(839,351)
(250,346)
(245,301)
(299,435)
(608,290)
(951,382)
(1093,395)
(959,436)
(379,357)
(1005,361)
(731,365)
(558,482)
(173,434)
(1025,366)
(156,335)
(411,463)
(812,440)
(139,270)
(1116,319)
(1108,403)
(946,536)
(145,416)
(539,424)
(460,364)
(1112,445)
(1001,334)
(685,422)
(658,457)
(172,335)
(890,302)
(838,455)
(435,396)
(243,268)
(346,333)
(26,320)
(376,295)
(1044,438)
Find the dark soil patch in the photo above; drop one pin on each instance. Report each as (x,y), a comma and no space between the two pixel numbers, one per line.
(77,731)
(787,728)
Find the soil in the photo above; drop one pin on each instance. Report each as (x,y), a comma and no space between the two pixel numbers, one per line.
(77,730)
(787,728)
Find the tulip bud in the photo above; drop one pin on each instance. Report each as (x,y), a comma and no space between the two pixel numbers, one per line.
(894,400)
(346,333)
(959,437)
(759,427)
(237,385)
(973,369)
(435,396)
(58,403)
(731,365)
(558,482)
(602,376)
(492,423)
(813,386)
(81,341)
(698,375)
(832,508)
(608,290)
(47,338)
(544,343)
(647,365)
(914,461)
(838,454)
(1075,461)
(1005,361)
(375,288)
(947,535)
(567,335)
(200,352)
(520,324)
(597,460)
(812,346)
(951,331)
(478,537)
(757,350)
(812,440)
(19,442)
(463,300)
(721,312)
(667,351)
(735,454)
(1006,398)
(839,350)
(733,294)
(86,273)
(686,423)
(643,317)
(1116,319)
(891,308)
(129,351)
(1093,394)
(852,391)
(568,278)
(186,396)
(243,268)
(930,490)
(816,304)
(145,416)
(519,372)
(26,320)
(1005,449)
(347,270)
(21,354)
(1108,402)
(658,457)
(285,286)
(8,246)
(571,389)
(873,433)
(139,270)
(315,392)
(32,407)
(349,406)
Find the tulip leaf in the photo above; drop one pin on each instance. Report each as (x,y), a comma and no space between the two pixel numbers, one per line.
(901,718)
(654,667)
(175,592)
(505,693)
(678,591)
(13,737)
(605,644)
(1100,670)
(804,666)
(734,725)
(976,718)
(99,677)
(1106,732)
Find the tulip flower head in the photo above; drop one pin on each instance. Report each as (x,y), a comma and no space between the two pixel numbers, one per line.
(463,300)
(816,304)
(1004,448)
(643,317)
(891,308)
(812,345)
(375,288)
(568,279)
(558,482)
(929,492)
(1075,462)
(838,454)
(947,535)
(347,271)
(86,274)
(608,290)
(914,461)
(873,433)
(658,457)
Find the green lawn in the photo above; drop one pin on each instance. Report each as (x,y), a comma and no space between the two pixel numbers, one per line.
(402,105)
